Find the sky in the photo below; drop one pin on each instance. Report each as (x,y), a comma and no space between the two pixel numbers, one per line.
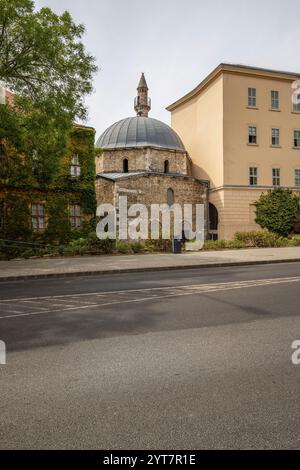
(176,43)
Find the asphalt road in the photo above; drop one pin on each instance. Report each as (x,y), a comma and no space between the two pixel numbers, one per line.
(168,360)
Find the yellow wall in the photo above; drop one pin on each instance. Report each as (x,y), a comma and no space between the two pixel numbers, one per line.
(213,121)
(238,156)
(199,122)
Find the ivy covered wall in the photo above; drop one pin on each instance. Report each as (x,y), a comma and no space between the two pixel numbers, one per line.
(21,186)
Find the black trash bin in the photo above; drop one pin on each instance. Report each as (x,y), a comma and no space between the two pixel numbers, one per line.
(176,245)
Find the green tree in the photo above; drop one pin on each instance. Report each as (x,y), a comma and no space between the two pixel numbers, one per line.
(44,63)
(276,211)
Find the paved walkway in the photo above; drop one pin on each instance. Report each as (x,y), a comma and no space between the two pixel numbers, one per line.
(87,265)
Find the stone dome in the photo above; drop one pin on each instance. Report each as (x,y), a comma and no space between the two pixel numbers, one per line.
(140,131)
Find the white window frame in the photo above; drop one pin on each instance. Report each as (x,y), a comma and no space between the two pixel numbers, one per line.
(75,167)
(296,106)
(297,177)
(75,216)
(253,176)
(297,139)
(38,221)
(252,133)
(275,136)
(276,177)
(252,98)
(274,99)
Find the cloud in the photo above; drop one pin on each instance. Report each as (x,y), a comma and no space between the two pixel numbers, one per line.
(176,43)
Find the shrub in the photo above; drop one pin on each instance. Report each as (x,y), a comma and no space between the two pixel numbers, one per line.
(137,247)
(295,241)
(106,246)
(259,238)
(158,245)
(123,247)
(276,211)
(214,245)
(235,244)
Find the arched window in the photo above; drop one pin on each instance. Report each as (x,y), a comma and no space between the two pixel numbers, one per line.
(166,166)
(213,222)
(125,165)
(170,197)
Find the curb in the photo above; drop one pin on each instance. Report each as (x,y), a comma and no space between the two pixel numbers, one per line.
(149,269)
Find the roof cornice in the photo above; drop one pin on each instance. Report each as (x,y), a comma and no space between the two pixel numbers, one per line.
(237,69)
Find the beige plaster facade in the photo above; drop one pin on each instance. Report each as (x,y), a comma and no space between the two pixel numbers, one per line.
(213,121)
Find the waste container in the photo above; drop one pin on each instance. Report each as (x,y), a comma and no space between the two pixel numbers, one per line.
(176,245)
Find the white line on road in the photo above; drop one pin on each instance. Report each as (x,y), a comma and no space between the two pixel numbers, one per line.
(173,292)
(192,286)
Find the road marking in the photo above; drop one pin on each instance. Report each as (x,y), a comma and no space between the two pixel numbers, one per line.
(169,292)
(193,286)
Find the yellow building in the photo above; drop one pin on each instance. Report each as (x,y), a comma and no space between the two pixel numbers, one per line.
(241,127)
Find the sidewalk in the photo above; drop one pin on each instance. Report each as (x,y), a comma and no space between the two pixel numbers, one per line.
(89,265)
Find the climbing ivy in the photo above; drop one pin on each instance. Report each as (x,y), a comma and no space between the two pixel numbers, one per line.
(21,186)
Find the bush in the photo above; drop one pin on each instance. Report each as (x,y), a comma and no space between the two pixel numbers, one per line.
(235,244)
(158,245)
(276,211)
(214,245)
(123,247)
(295,241)
(137,247)
(96,245)
(258,239)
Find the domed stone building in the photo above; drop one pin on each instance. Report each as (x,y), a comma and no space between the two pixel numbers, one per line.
(145,160)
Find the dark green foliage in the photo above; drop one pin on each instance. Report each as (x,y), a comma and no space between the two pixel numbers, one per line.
(17,218)
(58,228)
(276,211)
(20,188)
(44,63)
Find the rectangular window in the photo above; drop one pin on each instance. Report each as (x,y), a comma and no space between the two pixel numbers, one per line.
(297,139)
(38,216)
(275,136)
(296,103)
(253,176)
(297,178)
(276,176)
(2,151)
(252,97)
(252,135)
(75,216)
(274,99)
(75,168)
(1,215)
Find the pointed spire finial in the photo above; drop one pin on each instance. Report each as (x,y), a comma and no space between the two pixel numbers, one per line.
(142,104)
(142,82)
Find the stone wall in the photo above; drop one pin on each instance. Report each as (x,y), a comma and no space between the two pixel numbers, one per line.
(143,159)
(152,189)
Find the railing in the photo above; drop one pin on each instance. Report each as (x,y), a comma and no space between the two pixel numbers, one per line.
(137,101)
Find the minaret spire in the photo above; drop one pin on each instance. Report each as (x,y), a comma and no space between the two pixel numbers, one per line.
(142,104)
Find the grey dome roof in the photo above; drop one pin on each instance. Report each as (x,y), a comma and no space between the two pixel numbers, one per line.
(140,132)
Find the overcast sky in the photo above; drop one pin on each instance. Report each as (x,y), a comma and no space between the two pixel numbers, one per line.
(176,43)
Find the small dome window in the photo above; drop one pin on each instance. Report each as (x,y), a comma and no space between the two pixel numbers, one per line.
(170,197)
(125,165)
(166,166)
